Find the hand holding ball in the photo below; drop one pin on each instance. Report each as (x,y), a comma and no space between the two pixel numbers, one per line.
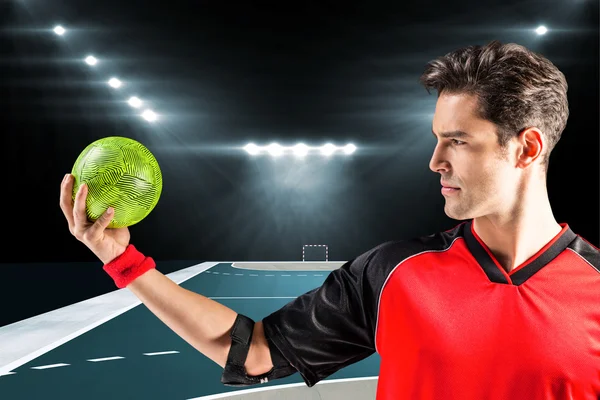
(121,173)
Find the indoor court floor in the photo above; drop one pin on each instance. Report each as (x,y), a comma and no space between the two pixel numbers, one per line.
(112,346)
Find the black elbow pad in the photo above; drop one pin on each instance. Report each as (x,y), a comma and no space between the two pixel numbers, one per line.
(234,373)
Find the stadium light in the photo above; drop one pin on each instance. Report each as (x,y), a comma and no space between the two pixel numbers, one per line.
(300,150)
(115,83)
(275,150)
(349,148)
(252,149)
(91,60)
(59,30)
(149,115)
(328,149)
(135,102)
(541,30)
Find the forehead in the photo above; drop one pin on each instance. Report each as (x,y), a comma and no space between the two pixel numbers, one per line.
(458,112)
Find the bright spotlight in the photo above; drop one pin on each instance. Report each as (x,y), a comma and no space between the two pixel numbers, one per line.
(301,150)
(252,149)
(135,102)
(149,115)
(275,150)
(541,30)
(115,83)
(328,149)
(59,30)
(349,149)
(91,60)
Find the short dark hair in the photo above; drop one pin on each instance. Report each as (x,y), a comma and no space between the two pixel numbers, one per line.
(516,88)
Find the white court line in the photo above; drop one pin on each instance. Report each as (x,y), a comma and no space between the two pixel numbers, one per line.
(45,349)
(50,366)
(8,373)
(302,275)
(136,302)
(226,273)
(278,387)
(269,275)
(318,275)
(253,275)
(239,274)
(160,353)
(285,275)
(106,359)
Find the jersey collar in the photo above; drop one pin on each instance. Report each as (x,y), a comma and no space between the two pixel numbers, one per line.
(519,275)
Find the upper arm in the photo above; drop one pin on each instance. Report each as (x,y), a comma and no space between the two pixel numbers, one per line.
(259,359)
(333,325)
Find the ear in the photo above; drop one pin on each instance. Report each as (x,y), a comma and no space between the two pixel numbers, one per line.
(531,145)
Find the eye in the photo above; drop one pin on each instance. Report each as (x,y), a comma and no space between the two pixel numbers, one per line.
(458,142)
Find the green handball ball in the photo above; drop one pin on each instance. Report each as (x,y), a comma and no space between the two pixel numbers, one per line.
(120,173)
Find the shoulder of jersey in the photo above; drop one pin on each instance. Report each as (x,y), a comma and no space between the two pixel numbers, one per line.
(394,252)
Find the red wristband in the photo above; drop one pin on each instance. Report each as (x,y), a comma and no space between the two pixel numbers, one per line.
(129,266)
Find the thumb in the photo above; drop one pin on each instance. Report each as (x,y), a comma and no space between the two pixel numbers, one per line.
(96,230)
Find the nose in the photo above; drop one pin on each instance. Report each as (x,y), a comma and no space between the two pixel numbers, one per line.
(438,162)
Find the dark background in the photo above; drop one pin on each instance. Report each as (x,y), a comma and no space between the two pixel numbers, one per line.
(223,75)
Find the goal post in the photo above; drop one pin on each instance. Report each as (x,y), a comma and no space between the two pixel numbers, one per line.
(315,252)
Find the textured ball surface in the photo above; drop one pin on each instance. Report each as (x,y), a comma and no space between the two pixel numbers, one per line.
(120,173)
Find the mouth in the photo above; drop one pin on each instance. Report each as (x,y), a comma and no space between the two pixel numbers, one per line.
(449,190)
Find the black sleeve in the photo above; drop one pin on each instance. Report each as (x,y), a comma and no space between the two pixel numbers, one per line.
(332,326)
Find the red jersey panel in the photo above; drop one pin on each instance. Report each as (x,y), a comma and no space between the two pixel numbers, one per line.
(448,330)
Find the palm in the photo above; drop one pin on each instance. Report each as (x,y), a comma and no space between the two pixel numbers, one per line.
(119,235)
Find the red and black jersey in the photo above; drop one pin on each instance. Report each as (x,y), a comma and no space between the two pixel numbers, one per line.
(450,323)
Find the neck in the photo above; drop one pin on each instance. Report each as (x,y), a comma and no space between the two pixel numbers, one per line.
(515,235)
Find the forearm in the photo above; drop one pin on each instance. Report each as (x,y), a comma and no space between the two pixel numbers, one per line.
(200,321)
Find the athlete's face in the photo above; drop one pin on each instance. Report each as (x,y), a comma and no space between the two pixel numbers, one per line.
(472,161)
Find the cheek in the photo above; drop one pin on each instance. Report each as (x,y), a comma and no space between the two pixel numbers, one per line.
(484,175)
(502,179)
(480,170)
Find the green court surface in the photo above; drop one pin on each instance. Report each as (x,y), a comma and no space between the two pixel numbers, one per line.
(135,355)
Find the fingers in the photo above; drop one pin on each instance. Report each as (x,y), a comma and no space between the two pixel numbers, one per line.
(66,200)
(95,232)
(79,209)
(75,212)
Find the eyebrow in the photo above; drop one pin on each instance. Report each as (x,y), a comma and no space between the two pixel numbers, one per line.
(453,134)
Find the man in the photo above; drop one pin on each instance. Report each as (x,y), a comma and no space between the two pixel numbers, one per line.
(502,306)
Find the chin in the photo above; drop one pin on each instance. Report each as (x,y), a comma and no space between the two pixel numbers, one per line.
(459,215)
